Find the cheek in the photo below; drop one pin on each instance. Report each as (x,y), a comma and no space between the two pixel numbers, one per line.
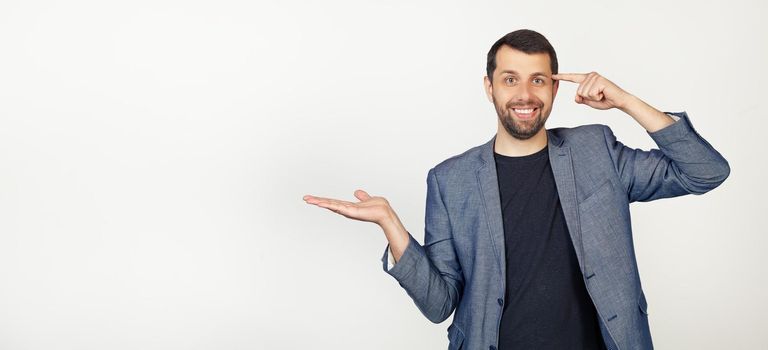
(545,97)
(501,95)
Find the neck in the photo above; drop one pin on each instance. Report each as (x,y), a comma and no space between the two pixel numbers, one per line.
(507,145)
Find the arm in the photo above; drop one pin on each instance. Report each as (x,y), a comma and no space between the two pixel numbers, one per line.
(684,163)
(644,114)
(431,274)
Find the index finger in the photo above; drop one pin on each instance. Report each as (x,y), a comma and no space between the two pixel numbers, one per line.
(574,77)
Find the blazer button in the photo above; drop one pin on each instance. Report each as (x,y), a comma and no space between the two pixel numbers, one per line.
(492,347)
(501,301)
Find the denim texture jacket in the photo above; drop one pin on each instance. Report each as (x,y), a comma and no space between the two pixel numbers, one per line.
(461,265)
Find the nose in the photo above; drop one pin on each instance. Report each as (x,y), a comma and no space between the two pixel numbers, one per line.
(523,93)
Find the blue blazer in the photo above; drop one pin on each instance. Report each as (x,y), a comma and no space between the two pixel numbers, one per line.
(461,265)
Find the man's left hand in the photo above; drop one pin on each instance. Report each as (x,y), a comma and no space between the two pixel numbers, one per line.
(596,91)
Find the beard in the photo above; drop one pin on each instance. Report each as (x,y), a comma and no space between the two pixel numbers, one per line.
(521,130)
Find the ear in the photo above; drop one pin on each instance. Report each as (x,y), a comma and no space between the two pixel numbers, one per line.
(555,85)
(488,88)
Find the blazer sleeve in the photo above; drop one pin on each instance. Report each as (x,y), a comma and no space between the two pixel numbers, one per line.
(684,163)
(431,274)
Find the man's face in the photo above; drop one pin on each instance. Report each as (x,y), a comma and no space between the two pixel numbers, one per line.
(522,82)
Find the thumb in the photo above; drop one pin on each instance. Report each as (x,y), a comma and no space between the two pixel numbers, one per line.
(362,195)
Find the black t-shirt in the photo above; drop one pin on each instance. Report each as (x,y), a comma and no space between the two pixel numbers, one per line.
(546,305)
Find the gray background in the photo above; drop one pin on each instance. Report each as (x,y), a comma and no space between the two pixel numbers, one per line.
(153,157)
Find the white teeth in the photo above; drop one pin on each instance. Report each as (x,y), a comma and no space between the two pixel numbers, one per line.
(524,111)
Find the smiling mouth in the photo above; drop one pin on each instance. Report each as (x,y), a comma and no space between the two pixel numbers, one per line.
(525,113)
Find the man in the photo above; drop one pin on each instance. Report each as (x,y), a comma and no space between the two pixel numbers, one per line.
(528,236)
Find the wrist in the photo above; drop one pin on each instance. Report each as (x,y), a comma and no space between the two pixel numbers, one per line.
(629,104)
(390,220)
(392,225)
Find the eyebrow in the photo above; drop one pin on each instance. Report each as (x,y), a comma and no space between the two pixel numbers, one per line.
(516,73)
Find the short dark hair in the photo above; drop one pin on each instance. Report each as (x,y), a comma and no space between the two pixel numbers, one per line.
(524,40)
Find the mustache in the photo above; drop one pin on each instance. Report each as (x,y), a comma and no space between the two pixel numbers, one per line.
(517,104)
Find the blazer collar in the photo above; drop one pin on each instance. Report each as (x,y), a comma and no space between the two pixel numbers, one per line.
(486,154)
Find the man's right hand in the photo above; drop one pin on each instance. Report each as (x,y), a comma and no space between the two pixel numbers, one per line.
(372,209)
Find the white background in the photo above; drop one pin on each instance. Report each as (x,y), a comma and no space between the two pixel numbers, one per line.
(154,155)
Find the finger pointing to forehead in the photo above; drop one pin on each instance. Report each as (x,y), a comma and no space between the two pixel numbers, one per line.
(574,77)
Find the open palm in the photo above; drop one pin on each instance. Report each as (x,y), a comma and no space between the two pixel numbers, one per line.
(370,208)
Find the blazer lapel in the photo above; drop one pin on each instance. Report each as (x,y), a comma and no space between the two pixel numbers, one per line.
(562,168)
(489,188)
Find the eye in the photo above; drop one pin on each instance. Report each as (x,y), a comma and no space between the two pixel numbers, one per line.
(509,80)
(538,81)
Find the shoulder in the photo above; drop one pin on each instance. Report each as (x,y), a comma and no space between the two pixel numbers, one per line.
(586,136)
(583,135)
(464,162)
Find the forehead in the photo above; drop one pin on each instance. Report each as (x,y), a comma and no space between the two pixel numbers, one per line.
(508,58)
